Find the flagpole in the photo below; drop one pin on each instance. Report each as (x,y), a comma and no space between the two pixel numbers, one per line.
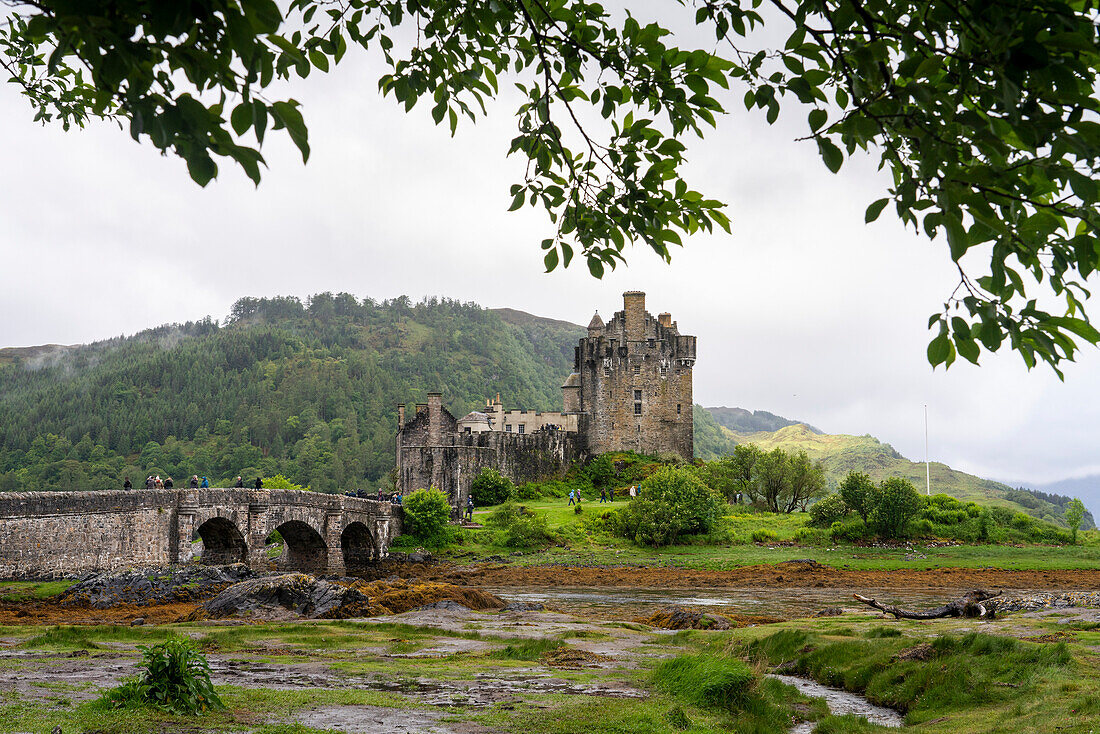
(927,473)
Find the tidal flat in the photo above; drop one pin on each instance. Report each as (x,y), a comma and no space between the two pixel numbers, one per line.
(586,668)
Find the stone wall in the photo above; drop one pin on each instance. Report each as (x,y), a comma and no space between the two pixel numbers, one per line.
(452,465)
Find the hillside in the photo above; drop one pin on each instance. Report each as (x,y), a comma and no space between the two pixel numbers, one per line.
(307,390)
(740,420)
(841,454)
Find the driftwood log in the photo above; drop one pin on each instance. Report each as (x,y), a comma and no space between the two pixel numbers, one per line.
(970,605)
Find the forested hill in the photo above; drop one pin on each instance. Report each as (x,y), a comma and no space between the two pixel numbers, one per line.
(304,390)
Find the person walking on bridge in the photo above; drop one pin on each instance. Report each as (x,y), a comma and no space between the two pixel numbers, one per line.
(205,483)
(239,484)
(194,481)
(259,483)
(168,484)
(127,484)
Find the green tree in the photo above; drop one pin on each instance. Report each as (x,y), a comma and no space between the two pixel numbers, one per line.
(673,502)
(427,513)
(1075,512)
(490,487)
(896,503)
(983,113)
(858,492)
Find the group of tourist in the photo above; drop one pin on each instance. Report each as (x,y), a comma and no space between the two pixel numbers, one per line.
(394,497)
(155,482)
(606,495)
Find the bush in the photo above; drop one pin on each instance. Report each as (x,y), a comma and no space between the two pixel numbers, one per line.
(828,510)
(897,503)
(923,528)
(427,514)
(674,502)
(276,482)
(490,487)
(176,678)
(519,527)
(763,535)
(850,530)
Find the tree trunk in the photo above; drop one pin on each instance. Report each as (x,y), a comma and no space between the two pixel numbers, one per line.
(969,606)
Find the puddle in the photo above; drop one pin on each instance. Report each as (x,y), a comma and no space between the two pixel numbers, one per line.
(840,703)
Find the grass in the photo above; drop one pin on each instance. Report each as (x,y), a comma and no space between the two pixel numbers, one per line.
(16,591)
(585,545)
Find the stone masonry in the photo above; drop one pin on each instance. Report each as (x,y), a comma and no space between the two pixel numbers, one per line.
(51,534)
(631,390)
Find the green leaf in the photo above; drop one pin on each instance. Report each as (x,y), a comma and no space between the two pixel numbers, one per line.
(874,210)
(817,118)
(830,154)
(201,168)
(241,118)
(551,260)
(938,349)
(318,59)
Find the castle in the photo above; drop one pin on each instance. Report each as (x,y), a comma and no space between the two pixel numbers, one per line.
(630,390)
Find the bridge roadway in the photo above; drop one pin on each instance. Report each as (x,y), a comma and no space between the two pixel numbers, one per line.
(51,534)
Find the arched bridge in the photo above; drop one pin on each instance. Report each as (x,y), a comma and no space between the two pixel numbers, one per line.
(45,534)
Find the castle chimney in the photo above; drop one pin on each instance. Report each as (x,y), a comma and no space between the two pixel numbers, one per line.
(665,320)
(634,311)
(435,418)
(400,416)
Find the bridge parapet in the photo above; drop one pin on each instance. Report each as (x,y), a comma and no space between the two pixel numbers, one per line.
(49,534)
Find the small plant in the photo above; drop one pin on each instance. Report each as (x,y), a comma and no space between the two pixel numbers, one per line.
(176,678)
(828,510)
(427,514)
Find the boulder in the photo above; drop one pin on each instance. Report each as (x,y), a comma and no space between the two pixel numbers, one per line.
(153,585)
(288,595)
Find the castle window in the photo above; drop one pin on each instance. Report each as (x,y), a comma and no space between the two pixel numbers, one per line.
(468,429)
(651,343)
(637,369)
(521,427)
(637,396)
(677,409)
(637,408)
(508,428)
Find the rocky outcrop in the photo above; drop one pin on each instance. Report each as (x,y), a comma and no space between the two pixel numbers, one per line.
(288,595)
(153,585)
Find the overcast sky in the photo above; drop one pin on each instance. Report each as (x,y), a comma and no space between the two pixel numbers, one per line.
(804,311)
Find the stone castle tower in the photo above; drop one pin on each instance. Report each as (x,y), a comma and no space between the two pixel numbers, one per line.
(632,383)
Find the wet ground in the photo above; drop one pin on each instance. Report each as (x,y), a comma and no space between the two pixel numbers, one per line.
(840,703)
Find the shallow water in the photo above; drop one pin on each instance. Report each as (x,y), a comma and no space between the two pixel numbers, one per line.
(774,602)
(840,703)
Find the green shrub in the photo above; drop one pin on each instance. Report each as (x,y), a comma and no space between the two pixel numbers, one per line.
(850,530)
(923,528)
(490,487)
(674,502)
(427,514)
(705,680)
(1022,521)
(764,535)
(519,527)
(828,510)
(176,678)
(276,482)
(897,503)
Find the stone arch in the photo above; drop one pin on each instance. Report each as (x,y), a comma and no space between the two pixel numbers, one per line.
(304,549)
(222,542)
(359,546)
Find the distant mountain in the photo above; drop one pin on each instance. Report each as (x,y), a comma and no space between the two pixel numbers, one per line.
(750,421)
(1086,488)
(841,454)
